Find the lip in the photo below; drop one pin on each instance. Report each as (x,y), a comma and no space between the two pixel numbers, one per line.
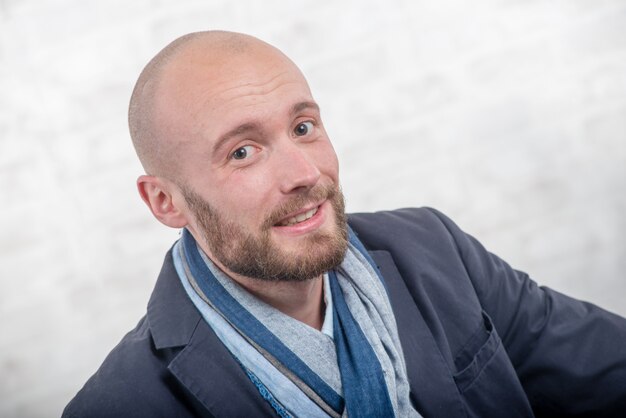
(311,224)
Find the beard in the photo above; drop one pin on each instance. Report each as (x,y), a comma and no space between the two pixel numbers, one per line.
(257,255)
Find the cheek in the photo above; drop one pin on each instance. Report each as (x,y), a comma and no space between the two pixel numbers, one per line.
(245,193)
(327,160)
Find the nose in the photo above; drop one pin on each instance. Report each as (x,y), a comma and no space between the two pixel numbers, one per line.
(296,168)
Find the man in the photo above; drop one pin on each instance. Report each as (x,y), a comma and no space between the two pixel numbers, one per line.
(274,303)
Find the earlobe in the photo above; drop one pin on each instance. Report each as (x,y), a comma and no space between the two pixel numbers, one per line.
(157,195)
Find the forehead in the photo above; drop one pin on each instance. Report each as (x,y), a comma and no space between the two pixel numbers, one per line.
(202,90)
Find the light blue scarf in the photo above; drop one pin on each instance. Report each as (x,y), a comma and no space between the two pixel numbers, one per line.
(301,371)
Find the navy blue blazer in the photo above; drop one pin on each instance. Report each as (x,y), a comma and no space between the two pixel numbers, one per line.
(479,338)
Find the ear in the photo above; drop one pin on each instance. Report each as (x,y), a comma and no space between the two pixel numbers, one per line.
(158,195)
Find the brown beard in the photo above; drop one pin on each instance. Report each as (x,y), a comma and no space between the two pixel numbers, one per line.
(257,255)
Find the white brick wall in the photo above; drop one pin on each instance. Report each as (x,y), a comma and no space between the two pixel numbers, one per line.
(508,116)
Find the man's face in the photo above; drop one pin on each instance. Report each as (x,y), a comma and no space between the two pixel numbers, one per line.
(260,176)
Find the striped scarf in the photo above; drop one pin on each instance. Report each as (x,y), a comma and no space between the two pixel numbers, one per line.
(299,370)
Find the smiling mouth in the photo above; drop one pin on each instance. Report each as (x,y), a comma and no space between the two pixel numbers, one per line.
(300,217)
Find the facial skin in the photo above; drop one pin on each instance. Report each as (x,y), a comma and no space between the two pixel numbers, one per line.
(255,156)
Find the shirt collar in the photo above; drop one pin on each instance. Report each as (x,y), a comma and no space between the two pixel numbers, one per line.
(327,326)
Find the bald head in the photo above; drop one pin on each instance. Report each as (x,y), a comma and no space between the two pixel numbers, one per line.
(158,118)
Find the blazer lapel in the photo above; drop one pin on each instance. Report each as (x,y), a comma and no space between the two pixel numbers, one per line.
(203,365)
(211,373)
(433,390)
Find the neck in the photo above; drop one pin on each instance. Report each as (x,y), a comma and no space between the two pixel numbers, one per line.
(303,301)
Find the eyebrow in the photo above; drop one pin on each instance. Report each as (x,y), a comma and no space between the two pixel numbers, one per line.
(299,107)
(253,126)
(239,130)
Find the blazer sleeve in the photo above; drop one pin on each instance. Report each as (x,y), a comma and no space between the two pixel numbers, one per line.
(570,355)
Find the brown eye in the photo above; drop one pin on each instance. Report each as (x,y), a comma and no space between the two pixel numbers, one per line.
(303,128)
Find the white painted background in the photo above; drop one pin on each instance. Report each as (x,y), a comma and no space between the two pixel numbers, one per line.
(509,116)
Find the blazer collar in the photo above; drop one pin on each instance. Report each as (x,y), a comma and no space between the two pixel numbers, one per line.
(171,315)
(203,364)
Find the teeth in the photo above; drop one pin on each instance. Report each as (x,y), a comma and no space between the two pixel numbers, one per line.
(299,218)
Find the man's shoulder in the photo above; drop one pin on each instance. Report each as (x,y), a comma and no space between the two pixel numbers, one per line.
(121,385)
(397,228)
(411,214)
(134,379)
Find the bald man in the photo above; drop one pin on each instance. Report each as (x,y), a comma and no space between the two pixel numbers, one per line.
(274,303)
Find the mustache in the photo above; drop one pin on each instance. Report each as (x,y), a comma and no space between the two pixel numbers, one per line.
(314,195)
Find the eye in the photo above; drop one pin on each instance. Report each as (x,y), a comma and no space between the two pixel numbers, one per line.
(303,128)
(243,152)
